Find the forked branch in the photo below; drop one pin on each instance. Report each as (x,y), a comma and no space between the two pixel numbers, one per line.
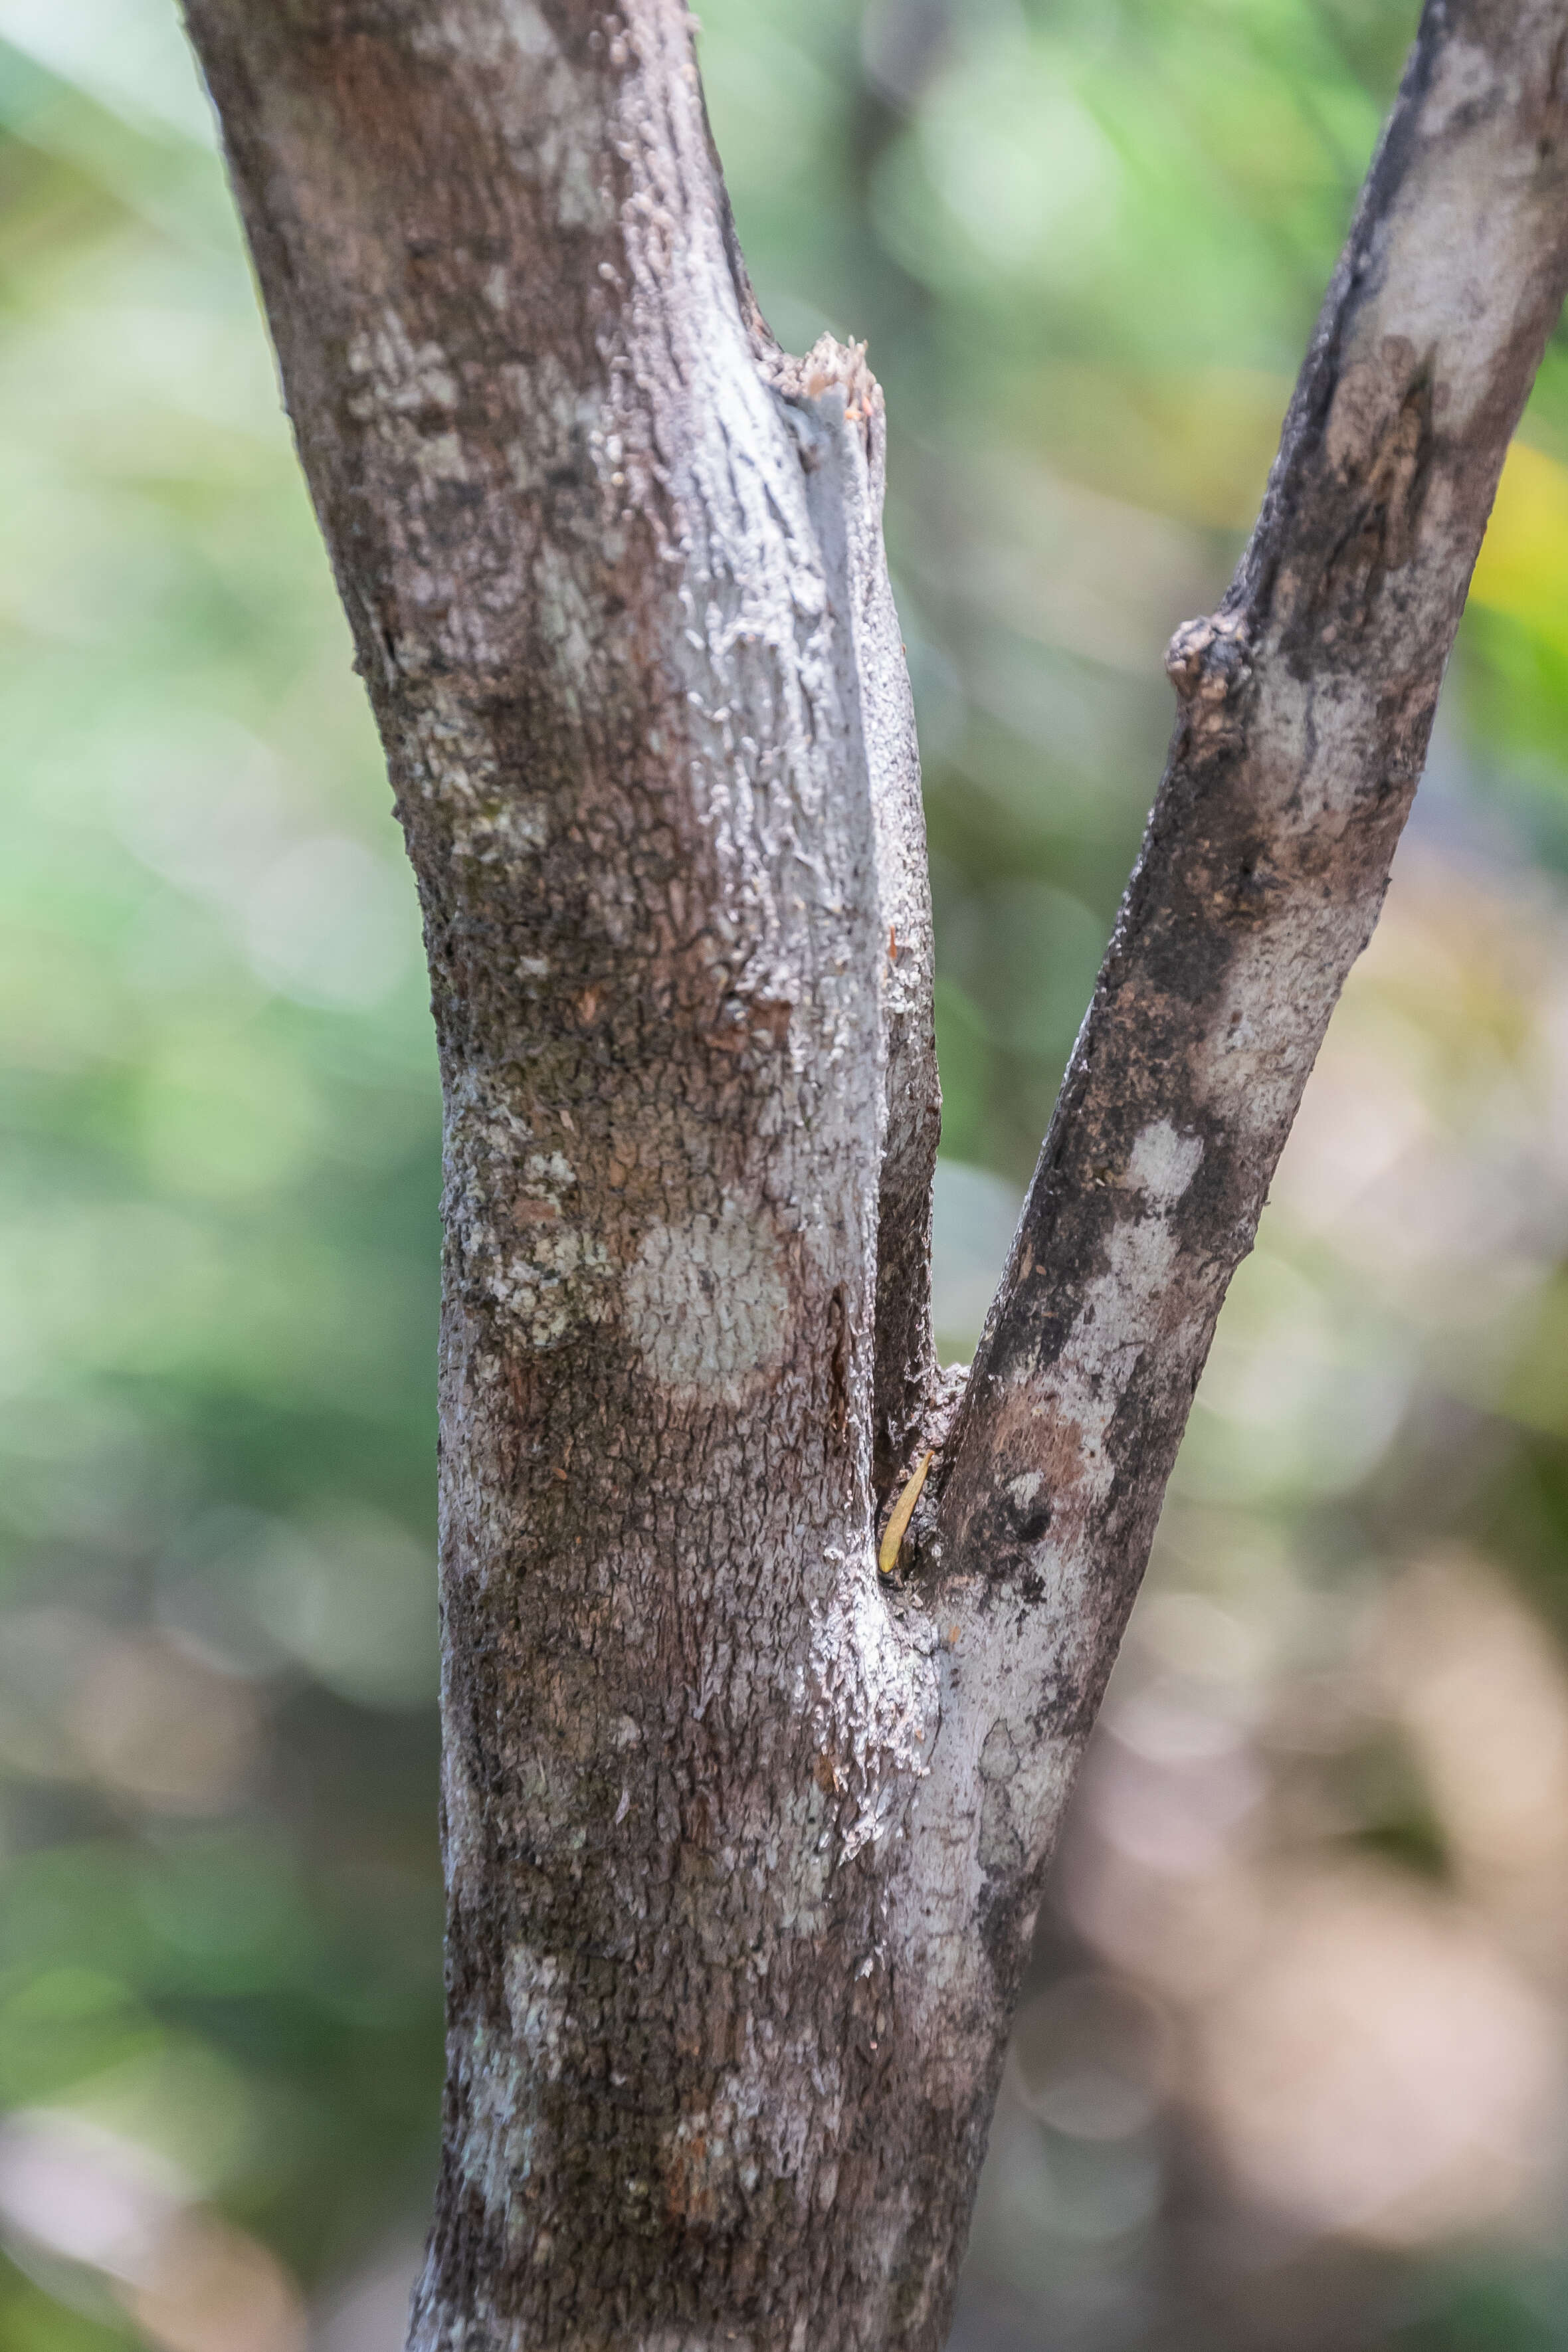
(741,1844)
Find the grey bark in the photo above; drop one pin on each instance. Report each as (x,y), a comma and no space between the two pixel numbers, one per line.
(742,1846)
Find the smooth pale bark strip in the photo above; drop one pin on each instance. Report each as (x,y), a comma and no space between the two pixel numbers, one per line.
(1304,708)
(614,572)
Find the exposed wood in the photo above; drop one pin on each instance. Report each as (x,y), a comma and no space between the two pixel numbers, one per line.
(742,1844)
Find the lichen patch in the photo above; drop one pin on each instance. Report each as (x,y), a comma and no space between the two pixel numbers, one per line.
(1164,1162)
(707,1302)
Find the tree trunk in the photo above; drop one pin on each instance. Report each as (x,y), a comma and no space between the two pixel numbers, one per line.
(744,1842)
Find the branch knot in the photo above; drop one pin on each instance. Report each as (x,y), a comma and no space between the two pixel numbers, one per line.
(1209,663)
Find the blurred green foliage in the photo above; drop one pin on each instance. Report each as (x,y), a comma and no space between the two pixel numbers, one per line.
(220,1918)
(1085,240)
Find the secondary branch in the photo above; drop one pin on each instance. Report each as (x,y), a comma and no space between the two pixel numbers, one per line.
(1304,707)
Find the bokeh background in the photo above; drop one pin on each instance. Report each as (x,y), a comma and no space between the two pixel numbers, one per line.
(1292,2068)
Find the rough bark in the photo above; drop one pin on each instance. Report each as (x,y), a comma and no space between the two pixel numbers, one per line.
(743,1846)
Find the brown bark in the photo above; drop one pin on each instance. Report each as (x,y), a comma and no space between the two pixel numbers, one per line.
(742,1846)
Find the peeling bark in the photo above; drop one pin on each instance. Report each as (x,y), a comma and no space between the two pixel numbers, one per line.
(742,1844)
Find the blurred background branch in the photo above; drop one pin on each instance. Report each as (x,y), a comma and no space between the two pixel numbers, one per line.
(1290,2071)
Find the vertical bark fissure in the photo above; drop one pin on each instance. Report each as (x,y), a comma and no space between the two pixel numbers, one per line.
(741,1846)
